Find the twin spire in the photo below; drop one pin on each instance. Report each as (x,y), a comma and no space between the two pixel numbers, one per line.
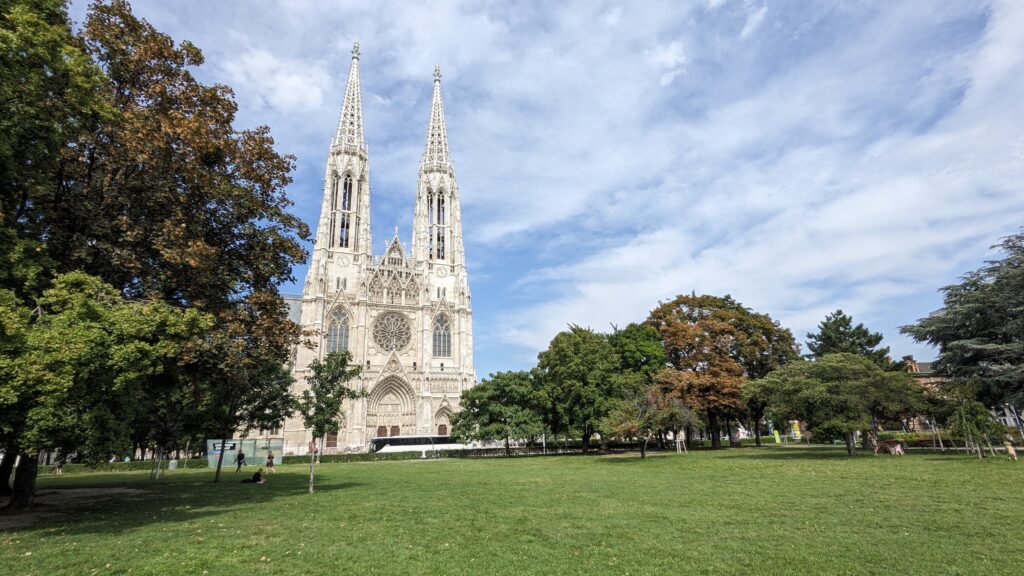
(435,155)
(350,124)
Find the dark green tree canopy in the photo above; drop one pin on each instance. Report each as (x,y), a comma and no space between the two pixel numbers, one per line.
(980,329)
(837,334)
(502,407)
(578,370)
(839,392)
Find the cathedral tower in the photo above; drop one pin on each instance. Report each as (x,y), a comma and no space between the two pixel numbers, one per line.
(406,318)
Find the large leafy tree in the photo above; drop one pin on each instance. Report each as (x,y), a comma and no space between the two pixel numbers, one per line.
(117,162)
(713,344)
(83,363)
(980,329)
(327,389)
(840,394)
(837,333)
(579,371)
(502,407)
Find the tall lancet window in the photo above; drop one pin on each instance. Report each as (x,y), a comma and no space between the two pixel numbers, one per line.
(334,205)
(440,243)
(343,229)
(337,332)
(442,337)
(346,195)
(440,210)
(344,233)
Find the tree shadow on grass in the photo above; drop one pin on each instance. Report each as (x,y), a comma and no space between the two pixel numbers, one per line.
(136,501)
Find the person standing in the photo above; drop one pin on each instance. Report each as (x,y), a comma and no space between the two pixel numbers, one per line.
(270,462)
(240,460)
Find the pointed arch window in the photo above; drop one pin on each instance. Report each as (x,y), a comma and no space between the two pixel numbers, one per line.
(440,243)
(440,210)
(337,332)
(442,337)
(334,205)
(346,194)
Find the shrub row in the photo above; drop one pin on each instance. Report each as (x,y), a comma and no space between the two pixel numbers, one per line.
(119,466)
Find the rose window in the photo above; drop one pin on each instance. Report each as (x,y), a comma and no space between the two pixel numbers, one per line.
(391,331)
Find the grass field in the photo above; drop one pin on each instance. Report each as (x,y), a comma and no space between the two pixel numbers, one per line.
(739,511)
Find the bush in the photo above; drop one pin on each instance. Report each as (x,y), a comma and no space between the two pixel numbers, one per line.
(134,465)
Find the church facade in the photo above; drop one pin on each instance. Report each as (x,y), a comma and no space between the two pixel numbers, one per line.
(406,315)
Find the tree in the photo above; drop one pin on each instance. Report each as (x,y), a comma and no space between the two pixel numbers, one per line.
(836,333)
(578,371)
(502,407)
(713,344)
(980,329)
(645,413)
(838,393)
(639,348)
(321,403)
(84,360)
(117,162)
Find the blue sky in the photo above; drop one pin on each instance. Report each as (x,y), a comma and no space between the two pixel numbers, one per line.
(800,156)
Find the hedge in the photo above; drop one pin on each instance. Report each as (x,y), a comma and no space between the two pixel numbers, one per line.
(134,465)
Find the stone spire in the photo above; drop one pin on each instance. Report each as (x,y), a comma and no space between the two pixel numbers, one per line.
(350,124)
(435,155)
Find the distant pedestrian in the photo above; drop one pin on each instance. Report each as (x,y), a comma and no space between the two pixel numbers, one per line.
(240,460)
(113,458)
(270,462)
(58,466)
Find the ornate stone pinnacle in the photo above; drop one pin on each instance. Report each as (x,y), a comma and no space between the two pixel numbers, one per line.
(437,72)
(355,50)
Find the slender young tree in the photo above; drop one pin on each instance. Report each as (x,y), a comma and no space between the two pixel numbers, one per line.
(321,403)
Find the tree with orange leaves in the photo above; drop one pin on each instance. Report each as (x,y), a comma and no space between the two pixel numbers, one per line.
(713,344)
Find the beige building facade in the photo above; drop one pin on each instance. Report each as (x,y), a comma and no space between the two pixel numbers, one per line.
(406,315)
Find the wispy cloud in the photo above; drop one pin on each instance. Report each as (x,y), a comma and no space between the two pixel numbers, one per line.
(802,157)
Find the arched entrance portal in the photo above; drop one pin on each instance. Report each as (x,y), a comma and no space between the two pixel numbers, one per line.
(442,421)
(392,408)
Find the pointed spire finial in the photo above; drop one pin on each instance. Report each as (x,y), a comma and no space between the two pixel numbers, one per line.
(350,124)
(435,155)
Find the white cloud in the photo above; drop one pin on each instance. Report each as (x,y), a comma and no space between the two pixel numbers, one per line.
(755,17)
(613,16)
(671,58)
(860,158)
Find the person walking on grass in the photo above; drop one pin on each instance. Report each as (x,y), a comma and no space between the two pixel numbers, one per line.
(240,460)
(270,462)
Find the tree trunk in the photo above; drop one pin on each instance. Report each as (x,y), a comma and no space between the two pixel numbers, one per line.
(757,429)
(220,459)
(716,440)
(6,469)
(586,441)
(688,436)
(24,482)
(851,444)
(643,448)
(508,448)
(311,463)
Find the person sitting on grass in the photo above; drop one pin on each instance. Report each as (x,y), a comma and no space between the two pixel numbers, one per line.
(257,478)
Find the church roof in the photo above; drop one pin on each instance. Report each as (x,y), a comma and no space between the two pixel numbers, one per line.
(350,123)
(435,154)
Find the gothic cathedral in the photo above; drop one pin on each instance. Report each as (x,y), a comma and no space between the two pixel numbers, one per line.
(406,316)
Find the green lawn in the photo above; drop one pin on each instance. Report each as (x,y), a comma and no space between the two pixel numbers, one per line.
(740,511)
